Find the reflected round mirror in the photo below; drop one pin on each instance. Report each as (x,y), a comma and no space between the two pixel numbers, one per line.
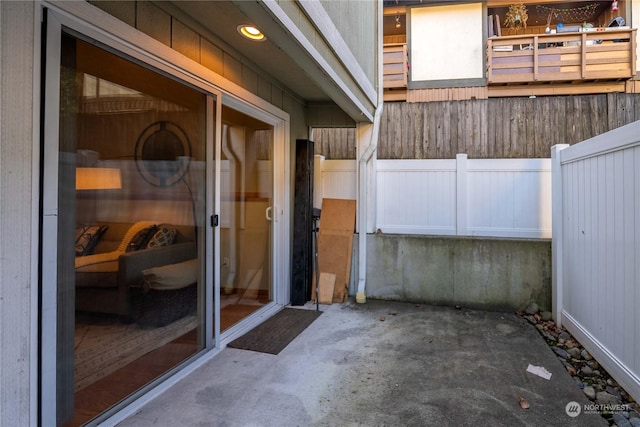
(162,154)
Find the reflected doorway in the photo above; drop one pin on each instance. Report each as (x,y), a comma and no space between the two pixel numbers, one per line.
(246,197)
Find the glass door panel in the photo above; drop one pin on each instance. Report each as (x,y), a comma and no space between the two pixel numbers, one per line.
(246,195)
(131,228)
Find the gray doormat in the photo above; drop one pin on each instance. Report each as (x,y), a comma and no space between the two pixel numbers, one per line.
(274,334)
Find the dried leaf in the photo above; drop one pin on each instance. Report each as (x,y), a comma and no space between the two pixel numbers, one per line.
(524,404)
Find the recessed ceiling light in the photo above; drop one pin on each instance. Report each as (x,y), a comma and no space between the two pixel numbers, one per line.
(251,32)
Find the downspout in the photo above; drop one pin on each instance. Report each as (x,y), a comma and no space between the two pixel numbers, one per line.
(233,264)
(364,190)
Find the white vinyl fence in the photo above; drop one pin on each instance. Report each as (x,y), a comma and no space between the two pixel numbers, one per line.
(596,248)
(334,179)
(478,197)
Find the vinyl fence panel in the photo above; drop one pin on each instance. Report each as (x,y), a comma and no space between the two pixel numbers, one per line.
(597,225)
(416,196)
(509,198)
(480,197)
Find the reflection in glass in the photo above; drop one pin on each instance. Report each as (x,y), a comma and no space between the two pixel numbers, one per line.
(246,185)
(131,228)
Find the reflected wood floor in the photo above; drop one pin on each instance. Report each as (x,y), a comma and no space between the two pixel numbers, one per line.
(108,391)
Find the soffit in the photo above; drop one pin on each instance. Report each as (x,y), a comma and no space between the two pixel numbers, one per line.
(221,19)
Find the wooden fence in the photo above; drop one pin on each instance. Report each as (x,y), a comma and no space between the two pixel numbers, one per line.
(596,249)
(486,128)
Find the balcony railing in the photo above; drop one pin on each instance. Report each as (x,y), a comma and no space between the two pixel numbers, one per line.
(599,54)
(395,65)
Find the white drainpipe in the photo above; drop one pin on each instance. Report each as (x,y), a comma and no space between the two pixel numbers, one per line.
(364,190)
(233,263)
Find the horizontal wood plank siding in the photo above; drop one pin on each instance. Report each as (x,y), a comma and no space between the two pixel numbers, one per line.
(447,94)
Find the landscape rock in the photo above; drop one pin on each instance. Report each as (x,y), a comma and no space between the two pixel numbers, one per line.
(589,392)
(574,352)
(546,316)
(605,398)
(560,352)
(596,384)
(570,369)
(620,420)
(564,336)
(531,308)
(614,391)
(586,370)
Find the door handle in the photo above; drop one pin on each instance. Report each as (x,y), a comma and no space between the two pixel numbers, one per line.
(267,214)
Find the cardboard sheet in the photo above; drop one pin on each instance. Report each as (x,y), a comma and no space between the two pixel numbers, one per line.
(335,243)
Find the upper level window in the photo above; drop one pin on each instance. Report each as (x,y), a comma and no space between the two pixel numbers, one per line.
(446,42)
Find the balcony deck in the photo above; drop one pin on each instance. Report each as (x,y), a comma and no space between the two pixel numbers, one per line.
(598,61)
(604,55)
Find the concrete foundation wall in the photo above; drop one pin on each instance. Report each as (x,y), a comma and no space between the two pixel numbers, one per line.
(495,274)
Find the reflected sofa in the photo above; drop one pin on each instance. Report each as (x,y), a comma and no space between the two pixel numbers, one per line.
(105,276)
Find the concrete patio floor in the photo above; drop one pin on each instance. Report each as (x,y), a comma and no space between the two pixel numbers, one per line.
(420,366)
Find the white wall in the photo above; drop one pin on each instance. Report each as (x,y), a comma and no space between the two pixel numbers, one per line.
(16,208)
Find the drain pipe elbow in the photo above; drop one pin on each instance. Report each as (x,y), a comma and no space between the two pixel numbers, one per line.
(361,297)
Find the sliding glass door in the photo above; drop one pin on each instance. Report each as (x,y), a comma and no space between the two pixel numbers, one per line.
(164,220)
(130,188)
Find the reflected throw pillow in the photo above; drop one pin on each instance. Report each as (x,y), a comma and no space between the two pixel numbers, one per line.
(87,237)
(142,238)
(164,236)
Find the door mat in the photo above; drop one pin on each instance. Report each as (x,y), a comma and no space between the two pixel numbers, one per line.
(274,334)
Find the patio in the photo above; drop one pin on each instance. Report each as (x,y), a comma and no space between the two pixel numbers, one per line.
(382,363)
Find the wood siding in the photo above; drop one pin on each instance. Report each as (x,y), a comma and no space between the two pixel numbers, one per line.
(158,23)
(486,128)
(499,127)
(335,143)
